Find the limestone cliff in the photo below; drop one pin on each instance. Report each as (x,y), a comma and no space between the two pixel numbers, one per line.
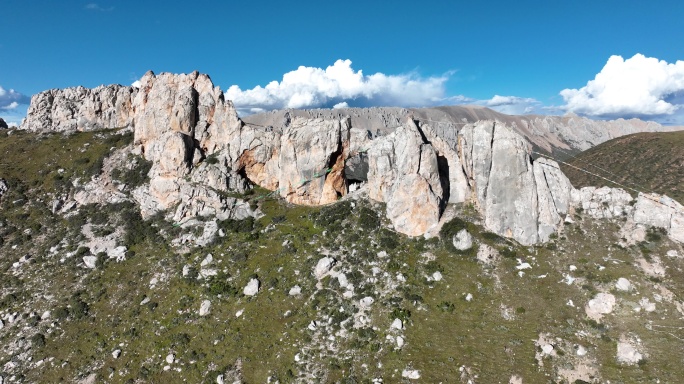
(416,164)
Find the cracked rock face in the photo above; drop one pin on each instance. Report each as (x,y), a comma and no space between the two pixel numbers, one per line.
(403,172)
(200,148)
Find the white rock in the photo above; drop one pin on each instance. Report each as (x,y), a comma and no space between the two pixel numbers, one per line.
(581,351)
(239,313)
(252,288)
(295,291)
(412,374)
(547,349)
(207,260)
(205,307)
(342,279)
(623,285)
(46,315)
(366,302)
(324,266)
(569,279)
(186,270)
(647,305)
(219,379)
(382,254)
(627,353)
(400,341)
(522,266)
(601,304)
(90,261)
(116,353)
(672,253)
(469,297)
(573,268)
(570,303)
(170,358)
(118,253)
(437,276)
(166,367)
(462,240)
(397,324)
(2,324)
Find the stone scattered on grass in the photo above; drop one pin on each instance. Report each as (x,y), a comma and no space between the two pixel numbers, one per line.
(600,305)
(462,240)
(324,266)
(252,288)
(205,308)
(412,374)
(623,285)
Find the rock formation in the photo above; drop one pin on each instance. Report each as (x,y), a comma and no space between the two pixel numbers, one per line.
(416,162)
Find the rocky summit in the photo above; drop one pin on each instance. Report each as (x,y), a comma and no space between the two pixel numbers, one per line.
(414,164)
(149,233)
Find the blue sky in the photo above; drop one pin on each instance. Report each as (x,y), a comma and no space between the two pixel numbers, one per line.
(520,56)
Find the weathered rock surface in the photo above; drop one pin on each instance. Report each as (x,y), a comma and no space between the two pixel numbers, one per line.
(404,173)
(3,187)
(416,161)
(81,109)
(3,125)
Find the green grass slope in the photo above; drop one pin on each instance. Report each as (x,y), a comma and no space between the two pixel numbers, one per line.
(480,320)
(647,162)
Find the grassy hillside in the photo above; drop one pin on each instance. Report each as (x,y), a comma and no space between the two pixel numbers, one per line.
(464,316)
(648,162)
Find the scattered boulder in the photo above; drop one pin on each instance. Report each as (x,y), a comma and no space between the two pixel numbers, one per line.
(397,324)
(3,125)
(627,352)
(600,305)
(623,284)
(463,240)
(90,261)
(3,187)
(295,291)
(205,307)
(116,353)
(323,266)
(412,374)
(252,287)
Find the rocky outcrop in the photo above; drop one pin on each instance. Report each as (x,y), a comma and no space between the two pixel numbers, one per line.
(404,173)
(81,109)
(416,164)
(3,124)
(660,212)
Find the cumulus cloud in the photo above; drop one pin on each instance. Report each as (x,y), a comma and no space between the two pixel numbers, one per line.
(11,99)
(310,87)
(512,105)
(637,87)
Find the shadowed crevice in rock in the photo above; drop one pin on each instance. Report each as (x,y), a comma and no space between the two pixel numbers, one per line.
(443,169)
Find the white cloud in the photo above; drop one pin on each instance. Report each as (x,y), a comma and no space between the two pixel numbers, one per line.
(637,87)
(11,105)
(341,105)
(512,105)
(11,99)
(310,87)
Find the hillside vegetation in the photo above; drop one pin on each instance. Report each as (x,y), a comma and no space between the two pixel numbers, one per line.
(341,297)
(647,162)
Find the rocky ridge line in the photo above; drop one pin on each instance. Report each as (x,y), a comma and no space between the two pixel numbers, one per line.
(416,167)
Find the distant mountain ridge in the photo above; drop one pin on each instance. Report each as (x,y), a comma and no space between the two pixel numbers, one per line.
(551,134)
